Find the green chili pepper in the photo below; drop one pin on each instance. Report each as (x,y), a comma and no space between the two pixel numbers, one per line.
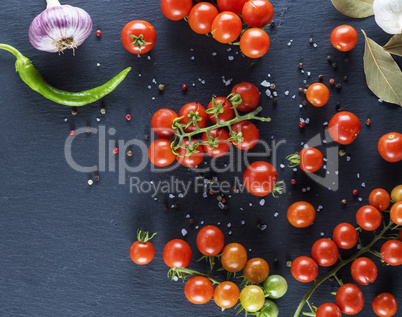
(34,79)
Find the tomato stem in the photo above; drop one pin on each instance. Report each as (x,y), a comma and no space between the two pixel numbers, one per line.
(183,273)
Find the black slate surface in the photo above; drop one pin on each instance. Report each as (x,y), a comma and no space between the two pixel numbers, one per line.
(64,245)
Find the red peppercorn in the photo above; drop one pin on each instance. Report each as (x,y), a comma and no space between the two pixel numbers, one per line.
(184,87)
(332,81)
(116,150)
(368,121)
(293,181)
(72,132)
(355,192)
(128,117)
(302,124)
(98,33)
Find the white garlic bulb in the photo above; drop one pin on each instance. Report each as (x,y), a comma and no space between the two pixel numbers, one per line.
(388,15)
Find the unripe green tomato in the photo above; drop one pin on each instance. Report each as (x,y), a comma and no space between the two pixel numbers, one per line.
(270,309)
(275,286)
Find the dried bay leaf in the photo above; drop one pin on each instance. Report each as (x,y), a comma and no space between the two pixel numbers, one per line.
(394,45)
(383,75)
(354,8)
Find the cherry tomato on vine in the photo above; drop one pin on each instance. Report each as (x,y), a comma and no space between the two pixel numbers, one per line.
(345,236)
(275,286)
(234,6)
(396,213)
(193,159)
(368,218)
(201,17)
(234,257)
(311,159)
(223,144)
(257,13)
(317,94)
(254,43)
(160,153)
(390,147)
(162,121)
(364,271)
(252,298)
(269,309)
(260,178)
(304,269)
(391,252)
(226,27)
(142,251)
(199,290)
(344,38)
(328,310)
(385,305)
(325,252)
(210,240)
(250,96)
(193,107)
(176,9)
(138,37)
(226,294)
(177,253)
(301,214)
(379,198)
(227,107)
(344,127)
(256,270)
(249,132)
(396,193)
(349,298)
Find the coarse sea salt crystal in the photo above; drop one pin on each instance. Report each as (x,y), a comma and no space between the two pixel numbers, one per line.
(262,202)
(242,222)
(287,92)
(188,216)
(175,278)
(265,83)
(282,166)
(276,214)
(214,54)
(229,225)
(268,93)
(183,232)
(230,57)
(263,227)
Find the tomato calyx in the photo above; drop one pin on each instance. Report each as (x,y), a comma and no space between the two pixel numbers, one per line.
(183,273)
(294,160)
(143,236)
(139,41)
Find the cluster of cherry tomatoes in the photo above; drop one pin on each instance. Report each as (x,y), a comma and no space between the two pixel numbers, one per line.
(199,288)
(325,252)
(224,21)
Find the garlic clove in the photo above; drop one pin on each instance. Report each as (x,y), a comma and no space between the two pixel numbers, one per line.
(388,15)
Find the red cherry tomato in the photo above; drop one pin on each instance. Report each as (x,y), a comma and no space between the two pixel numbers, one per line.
(304,269)
(227,107)
(301,214)
(345,236)
(368,217)
(162,121)
(256,270)
(317,94)
(344,127)
(210,240)
(328,310)
(160,153)
(138,37)
(396,193)
(379,198)
(226,27)
(257,13)
(194,159)
(254,43)
(349,298)
(226,294)
(234,6)
(325,252)
(311,159)
(142,251)
(177,253)
(250,96)
(194,108)
(176,9)
(249,132)
(344,38)
(259,178)
(364,271)
(391,252)
(234,257)
(390,147)
(201,17)
(396,213)
(199,290)
(385,305)
(223,145)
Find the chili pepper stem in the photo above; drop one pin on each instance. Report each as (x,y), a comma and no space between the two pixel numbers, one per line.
(333,272)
